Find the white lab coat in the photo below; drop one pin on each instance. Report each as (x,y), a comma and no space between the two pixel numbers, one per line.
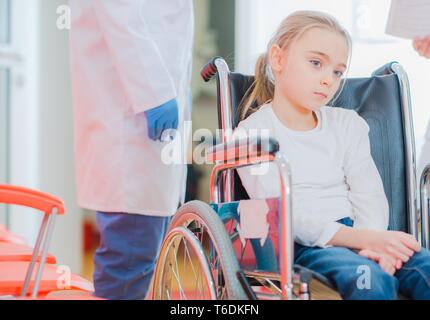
(129,56)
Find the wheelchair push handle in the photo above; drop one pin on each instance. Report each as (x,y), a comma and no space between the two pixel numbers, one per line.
(209,70)
(386,69)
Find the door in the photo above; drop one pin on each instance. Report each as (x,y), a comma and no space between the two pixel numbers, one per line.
(5,69)
(17,99)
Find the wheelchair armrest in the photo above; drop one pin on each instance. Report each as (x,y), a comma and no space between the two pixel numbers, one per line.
(250,151)
(30,198)
(242,149)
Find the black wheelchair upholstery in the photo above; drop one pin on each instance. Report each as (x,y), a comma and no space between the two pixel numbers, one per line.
(378,100)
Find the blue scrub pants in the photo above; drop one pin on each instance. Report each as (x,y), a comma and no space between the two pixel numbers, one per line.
(125,260)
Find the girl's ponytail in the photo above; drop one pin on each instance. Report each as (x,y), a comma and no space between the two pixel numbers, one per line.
(261,91)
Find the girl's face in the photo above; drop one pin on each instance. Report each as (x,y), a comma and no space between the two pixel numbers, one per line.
(309,72)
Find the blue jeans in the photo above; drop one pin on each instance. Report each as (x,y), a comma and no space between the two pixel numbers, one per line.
(125,260)
(359,278)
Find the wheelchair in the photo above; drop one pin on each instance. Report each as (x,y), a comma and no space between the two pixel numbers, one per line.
(203,256)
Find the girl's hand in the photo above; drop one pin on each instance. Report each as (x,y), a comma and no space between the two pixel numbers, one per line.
(386,262)
(399,245)
(422,46)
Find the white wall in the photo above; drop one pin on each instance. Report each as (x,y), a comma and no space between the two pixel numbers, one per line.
(41,148)
(56,159)
(23,144)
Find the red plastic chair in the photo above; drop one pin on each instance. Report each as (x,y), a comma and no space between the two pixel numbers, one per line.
(51,207)
(17,252)
(12,276)
(71,295)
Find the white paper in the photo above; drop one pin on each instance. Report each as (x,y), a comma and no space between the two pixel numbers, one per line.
(253,220)
(409,18)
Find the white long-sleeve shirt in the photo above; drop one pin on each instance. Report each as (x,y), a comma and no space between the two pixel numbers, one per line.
(333,173)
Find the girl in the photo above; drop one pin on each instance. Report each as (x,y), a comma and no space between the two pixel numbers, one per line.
(340,208)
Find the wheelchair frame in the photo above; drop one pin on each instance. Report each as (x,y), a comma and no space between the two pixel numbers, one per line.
(51,207)
(221,188)
(233,154)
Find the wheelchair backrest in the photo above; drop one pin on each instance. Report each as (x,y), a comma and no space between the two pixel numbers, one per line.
(378,99)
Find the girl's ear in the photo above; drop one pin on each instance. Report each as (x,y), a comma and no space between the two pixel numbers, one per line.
(276,58)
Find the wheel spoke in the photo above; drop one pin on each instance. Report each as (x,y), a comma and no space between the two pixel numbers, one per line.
(176,274)
(181,290)
(192,265)
(197,278)
(217,271)
(168,295)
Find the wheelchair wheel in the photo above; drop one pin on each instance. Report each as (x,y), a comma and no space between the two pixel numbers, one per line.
(186,278)
(200,266)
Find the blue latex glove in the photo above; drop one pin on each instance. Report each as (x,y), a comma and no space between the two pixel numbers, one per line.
(162,118)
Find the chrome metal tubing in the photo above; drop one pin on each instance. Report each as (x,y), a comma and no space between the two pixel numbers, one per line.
(45,247)
(408,129)
(286,248)
(226,117)
(425,197)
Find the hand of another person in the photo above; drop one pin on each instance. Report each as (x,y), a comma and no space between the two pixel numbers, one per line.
(162,118)
(422,46)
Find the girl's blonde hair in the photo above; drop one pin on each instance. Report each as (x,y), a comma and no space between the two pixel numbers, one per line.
(291,28)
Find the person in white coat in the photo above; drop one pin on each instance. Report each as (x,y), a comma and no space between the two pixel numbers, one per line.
(131,66)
